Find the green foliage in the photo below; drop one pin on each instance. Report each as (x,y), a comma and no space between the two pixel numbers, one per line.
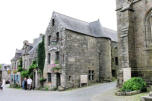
(25,73)
(56,68)
(42,79)
(41,55)
(133,84)
(33,66)
(56,62)
(20,69)
(0,66)
(29,72)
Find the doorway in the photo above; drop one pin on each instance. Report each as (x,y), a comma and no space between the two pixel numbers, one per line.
(58,76)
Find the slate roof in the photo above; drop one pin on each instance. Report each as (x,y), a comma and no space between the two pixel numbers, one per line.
(35,44)
(18,54)
(94,29)
(111,33)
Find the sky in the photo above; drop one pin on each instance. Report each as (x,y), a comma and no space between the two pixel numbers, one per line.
(25,19)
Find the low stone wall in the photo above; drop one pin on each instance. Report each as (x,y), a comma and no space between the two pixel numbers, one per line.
(127,93)
(146,98)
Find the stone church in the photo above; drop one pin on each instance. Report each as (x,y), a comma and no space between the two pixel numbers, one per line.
(75,48)
(134,19)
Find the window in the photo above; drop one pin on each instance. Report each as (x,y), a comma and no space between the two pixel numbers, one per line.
(53,22)
(91,74)
(49,39)
(49,58)
(69,78)
(63,59)
(49,77)
(57,56)
(116,60)
(57,37)
(148,30)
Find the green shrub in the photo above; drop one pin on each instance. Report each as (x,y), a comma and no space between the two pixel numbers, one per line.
(25,73)
(133,84)
(19,69)
(42,79)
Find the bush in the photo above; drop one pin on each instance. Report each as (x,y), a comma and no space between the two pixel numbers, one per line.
(42,79)
(19,69)
(133,84)
(25,73)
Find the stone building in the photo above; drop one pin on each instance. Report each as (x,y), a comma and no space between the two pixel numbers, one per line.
(15,61)
(26,61)
(75,48)
(27,54)
(6,72)
(134,19)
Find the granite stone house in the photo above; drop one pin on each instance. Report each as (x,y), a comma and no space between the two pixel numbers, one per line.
(134,19)
(75,48)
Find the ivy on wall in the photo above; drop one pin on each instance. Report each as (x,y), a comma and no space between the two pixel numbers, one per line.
(20,66)
(41,55)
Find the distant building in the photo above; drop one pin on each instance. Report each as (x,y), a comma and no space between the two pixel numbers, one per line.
(75,48)
(27,55)
(15,76)
(6,72)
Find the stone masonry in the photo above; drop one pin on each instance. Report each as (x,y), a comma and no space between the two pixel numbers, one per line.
(134,19)
(78,48)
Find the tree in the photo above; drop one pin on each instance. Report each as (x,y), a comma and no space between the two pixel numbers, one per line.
(41,55)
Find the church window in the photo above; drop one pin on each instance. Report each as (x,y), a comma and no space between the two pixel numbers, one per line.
(148,30)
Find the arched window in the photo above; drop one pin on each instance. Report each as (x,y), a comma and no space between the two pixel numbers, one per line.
(148,30)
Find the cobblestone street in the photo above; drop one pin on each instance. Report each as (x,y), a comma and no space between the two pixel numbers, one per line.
(81,94)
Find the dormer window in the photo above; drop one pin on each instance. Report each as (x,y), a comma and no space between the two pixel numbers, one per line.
(53,22)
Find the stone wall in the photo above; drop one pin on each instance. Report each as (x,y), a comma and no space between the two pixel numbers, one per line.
(82,56)
(104,53)
(132,30)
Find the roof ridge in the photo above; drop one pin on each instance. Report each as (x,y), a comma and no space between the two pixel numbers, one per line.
(54,13)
